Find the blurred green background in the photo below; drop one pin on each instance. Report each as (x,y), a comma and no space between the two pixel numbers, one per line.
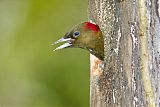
(31,74)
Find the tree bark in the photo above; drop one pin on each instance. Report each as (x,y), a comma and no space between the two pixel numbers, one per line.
(129,76)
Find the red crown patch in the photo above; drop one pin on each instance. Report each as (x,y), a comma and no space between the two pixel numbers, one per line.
(92,26)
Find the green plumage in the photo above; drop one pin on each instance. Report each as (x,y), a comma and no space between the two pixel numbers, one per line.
(87,36)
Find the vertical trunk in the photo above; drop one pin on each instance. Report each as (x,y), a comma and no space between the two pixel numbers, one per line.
(130,74)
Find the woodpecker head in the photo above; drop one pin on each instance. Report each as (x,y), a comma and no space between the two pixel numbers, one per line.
(87,36)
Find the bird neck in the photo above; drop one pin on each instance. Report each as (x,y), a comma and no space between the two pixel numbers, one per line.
(96,46)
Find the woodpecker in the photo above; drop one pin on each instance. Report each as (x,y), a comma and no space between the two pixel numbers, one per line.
(87,36)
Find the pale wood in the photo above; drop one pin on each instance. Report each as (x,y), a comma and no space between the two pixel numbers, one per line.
(130,74)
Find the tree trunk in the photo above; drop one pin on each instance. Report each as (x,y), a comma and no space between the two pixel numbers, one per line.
(130,74)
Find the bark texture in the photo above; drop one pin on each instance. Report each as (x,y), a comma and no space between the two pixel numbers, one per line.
(130,74)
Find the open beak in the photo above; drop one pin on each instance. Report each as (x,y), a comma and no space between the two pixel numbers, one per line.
(65,45)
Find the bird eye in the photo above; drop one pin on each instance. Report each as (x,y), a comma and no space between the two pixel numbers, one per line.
(76,34)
